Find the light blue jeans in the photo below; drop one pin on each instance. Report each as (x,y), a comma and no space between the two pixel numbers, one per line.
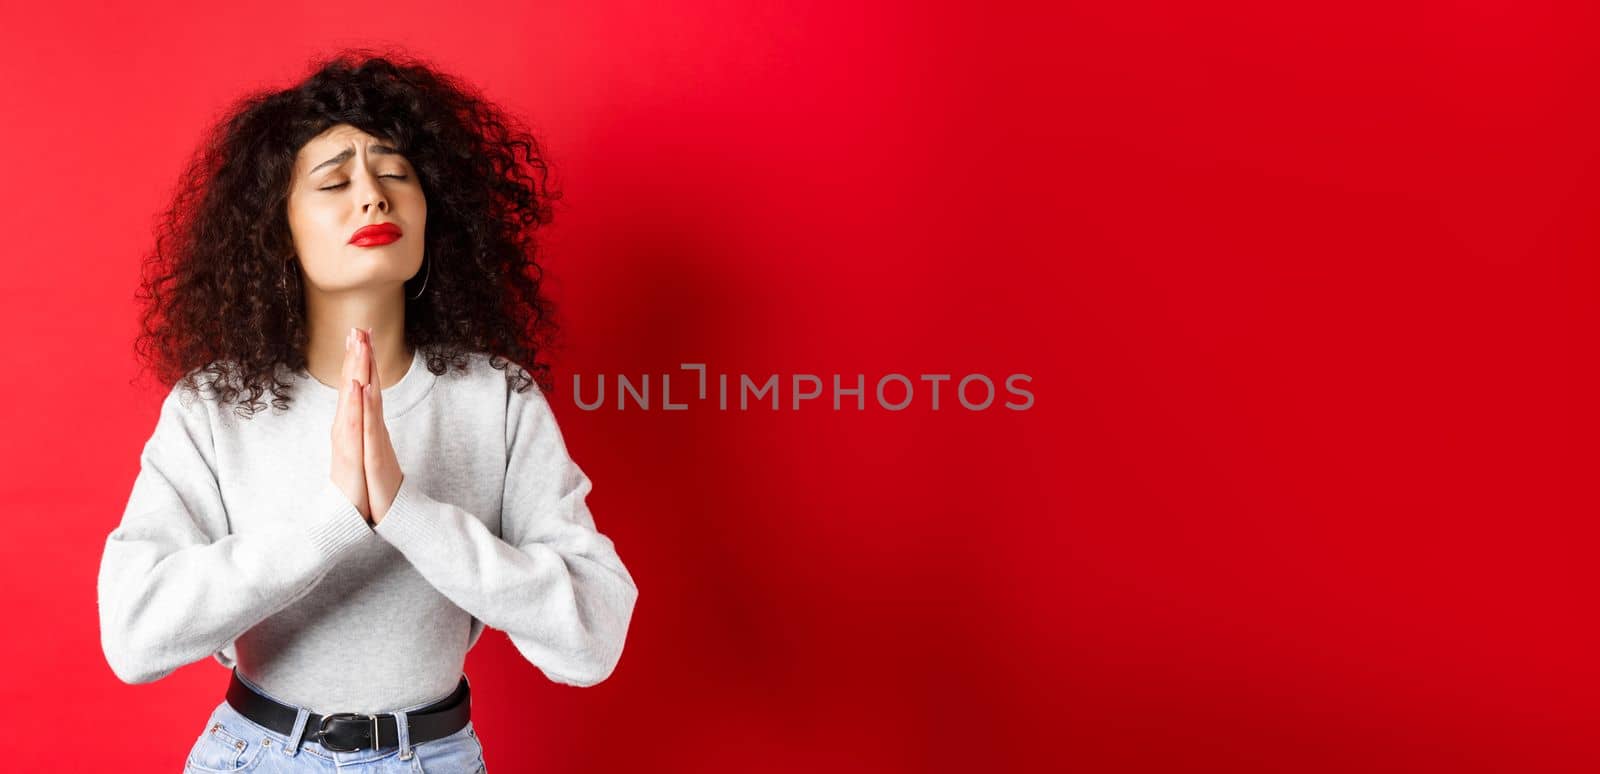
(232,742)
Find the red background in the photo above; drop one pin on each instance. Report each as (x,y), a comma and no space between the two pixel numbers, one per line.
(1298,290)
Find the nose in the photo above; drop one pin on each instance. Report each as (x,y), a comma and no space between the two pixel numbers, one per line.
(372,195)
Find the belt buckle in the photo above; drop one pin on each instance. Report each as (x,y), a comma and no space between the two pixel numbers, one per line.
(322,730)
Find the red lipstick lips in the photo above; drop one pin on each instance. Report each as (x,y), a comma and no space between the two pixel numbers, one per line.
(375,234)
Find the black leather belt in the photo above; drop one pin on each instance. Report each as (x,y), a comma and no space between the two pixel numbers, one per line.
(350,731)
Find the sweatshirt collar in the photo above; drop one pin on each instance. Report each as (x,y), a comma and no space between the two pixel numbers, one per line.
(397,398)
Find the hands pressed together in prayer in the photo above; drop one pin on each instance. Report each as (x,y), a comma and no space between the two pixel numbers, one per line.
(364,465)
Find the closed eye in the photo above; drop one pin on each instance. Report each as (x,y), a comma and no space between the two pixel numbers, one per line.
(341,185)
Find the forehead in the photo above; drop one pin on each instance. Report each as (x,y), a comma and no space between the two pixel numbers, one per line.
(334,139)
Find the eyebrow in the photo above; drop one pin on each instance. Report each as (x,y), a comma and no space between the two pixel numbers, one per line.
(345,155)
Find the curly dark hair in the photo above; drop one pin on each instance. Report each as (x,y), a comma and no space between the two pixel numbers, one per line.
(225,295)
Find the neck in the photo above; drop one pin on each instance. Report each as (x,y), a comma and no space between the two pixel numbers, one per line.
(332,315)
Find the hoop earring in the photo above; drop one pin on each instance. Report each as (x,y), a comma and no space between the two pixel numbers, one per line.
(424,280)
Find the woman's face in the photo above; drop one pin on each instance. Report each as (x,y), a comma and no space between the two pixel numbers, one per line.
(345,179)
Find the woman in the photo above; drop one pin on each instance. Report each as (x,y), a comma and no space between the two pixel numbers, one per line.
(361,245)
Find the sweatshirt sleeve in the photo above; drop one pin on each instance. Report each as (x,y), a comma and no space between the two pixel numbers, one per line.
(174,585)
(553,583)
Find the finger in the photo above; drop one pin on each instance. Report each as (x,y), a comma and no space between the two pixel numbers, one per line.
(377,404)
(377,394)
(367,408)
(357,420)
(367,370)
(363,357)
(369,397)
(351,358)
(369,428)
(352,409)
(375,400)
(372,360)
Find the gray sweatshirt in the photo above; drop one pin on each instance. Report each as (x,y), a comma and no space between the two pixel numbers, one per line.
(236,544)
